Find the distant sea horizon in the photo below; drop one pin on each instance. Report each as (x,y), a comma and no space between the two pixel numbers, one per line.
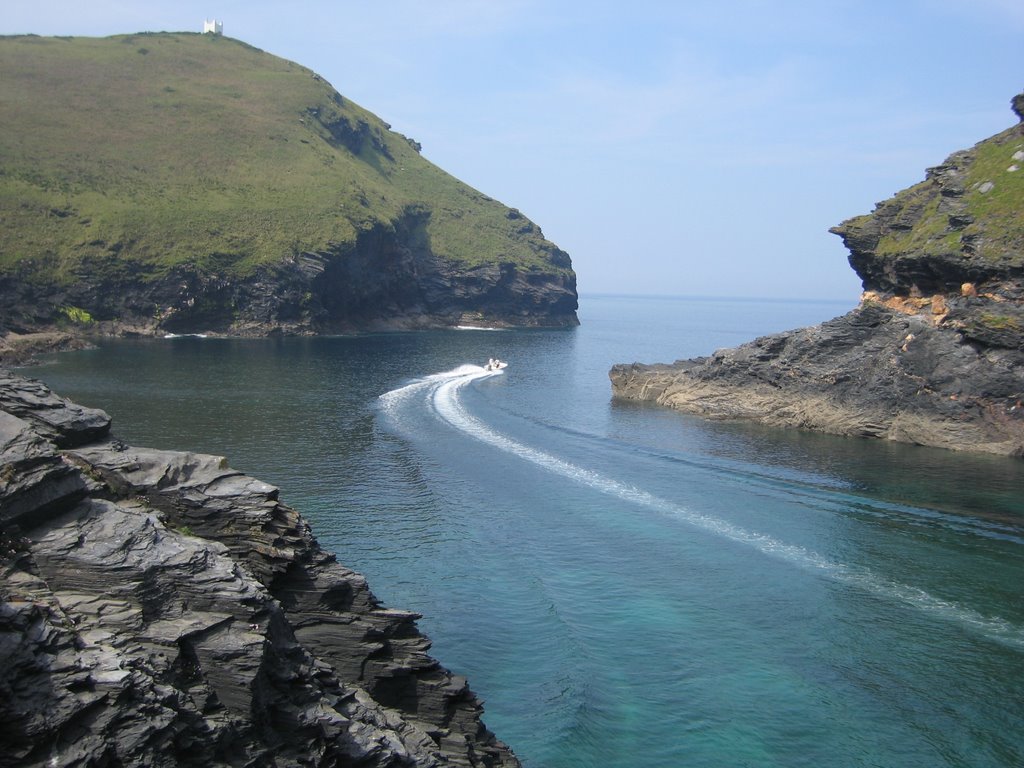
(855,298)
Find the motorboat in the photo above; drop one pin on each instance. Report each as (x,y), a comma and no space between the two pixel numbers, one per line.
(494,364)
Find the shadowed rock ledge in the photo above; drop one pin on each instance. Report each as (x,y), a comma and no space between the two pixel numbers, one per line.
(934,353)
(158,608)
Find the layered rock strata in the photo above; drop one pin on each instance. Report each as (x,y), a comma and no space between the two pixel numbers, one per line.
(934,353)
(159,608)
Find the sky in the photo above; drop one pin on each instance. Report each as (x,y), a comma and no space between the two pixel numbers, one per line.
(692,148)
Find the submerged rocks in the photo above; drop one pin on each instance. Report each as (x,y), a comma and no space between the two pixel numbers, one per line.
(160,608)
(933,355)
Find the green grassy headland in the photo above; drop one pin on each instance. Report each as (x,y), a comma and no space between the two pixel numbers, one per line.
(155,150)
(991,182)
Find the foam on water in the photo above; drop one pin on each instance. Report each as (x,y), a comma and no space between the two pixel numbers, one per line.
(441,392)
(391,402)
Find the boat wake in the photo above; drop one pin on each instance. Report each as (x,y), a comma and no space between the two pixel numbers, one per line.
(441,392)
(392,401)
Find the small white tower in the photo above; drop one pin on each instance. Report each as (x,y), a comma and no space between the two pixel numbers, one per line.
(213,26)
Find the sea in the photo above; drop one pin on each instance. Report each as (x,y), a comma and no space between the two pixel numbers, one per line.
(622,584)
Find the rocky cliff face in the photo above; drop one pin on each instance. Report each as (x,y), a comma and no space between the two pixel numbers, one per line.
(389,278)
(159,608)
(933,355)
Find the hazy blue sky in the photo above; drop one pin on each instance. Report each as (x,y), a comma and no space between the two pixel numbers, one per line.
(693,148)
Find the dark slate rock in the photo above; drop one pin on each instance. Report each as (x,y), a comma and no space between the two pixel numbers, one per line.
(55,418)
(161,609)
(875,372)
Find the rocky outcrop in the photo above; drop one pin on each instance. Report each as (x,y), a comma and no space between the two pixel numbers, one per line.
(874,372)
(22,349)
(159,608)
(934,353)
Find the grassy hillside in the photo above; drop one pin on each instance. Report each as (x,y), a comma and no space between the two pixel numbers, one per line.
(970,208)
(154,150)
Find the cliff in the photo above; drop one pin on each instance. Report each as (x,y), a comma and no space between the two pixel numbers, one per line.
(159,608)
(934,353)
(182,183)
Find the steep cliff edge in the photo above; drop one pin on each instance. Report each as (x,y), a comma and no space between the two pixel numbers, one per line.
(159,608)
(161,182)
(934,353)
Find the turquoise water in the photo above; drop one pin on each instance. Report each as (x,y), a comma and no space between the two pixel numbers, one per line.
(625,585)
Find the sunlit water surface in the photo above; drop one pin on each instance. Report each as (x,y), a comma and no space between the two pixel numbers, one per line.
(625,586)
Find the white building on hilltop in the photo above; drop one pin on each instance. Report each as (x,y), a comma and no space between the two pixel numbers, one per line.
(213,26)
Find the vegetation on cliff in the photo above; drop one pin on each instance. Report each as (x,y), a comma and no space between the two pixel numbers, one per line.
(964,223)
(140,158)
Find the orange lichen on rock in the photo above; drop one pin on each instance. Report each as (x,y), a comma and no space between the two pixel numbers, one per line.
(925,306)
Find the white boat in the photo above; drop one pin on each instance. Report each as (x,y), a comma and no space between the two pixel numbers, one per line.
(494,364)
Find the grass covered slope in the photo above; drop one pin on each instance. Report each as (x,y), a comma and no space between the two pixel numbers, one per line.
(951,247)
(145,154)
(964,223)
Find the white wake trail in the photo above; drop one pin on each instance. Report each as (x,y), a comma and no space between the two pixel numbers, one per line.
(444,396)
(391,402)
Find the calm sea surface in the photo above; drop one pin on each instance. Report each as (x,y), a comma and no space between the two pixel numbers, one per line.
(624,585)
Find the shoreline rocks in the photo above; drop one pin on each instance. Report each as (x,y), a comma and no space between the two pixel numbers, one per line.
(161,608)
(874,372)
(26,348)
